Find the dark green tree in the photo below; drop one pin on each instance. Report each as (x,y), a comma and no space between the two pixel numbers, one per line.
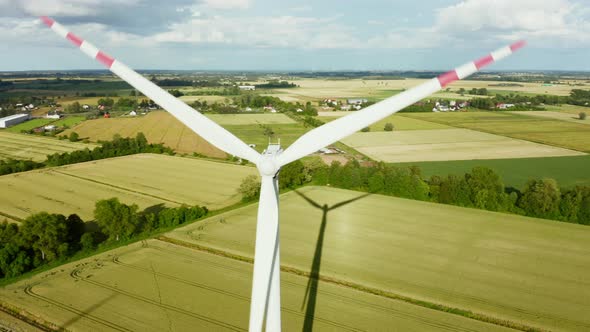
(116,220)
(541,198)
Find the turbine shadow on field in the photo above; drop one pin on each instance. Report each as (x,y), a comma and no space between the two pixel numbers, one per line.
(311,292)
(88,311)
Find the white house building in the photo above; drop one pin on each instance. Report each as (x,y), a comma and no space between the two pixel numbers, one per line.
(12,120)
(247,87)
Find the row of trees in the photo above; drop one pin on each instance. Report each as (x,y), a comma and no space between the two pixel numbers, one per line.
(119,146)
(481,188)
(43,237)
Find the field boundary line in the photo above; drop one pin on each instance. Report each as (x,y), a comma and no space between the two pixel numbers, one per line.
(118,187)
(15,218)
(28,318)
(371,290)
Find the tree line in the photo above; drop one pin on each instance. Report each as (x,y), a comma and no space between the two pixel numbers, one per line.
(43,237)
(119,146)
(482,188)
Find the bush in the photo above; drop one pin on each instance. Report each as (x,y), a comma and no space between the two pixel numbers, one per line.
(74,137)
(249,188)
(366,129)
(582,115)
(388,126)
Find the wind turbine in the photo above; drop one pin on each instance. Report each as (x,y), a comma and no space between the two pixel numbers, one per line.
(266,300)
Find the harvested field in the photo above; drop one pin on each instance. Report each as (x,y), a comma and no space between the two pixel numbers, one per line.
(555,115)
(250,119)
(399,122)
(36,148)
(492,263)
(155,286)
(553,132)
(447,144)
(376,89)
(146,180)
(158,127)
(161,127)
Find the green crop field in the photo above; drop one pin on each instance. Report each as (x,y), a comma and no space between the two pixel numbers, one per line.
(563,116)
(568,171)
(156,286)
(29,125)
(250,119)
(69,121)
(146,180)
(447,144)
(521,269)
(254,134)
(19,146)
(566,134)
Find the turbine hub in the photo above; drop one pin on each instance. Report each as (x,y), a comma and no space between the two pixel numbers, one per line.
(267,166)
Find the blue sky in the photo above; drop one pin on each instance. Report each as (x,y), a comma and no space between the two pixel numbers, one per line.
(298,35)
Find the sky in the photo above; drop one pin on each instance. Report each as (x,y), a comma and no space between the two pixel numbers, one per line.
(286,35)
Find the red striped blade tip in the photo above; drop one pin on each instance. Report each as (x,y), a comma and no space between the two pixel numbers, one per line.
(518,45)
(47,20)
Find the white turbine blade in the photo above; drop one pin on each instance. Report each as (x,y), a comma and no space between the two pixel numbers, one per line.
(334,131)
(197,122)
(266,278)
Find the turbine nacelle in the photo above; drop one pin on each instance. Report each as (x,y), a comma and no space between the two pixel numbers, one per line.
(268,163)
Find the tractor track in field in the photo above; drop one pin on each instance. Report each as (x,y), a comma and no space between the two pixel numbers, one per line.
(218,290)
(29,291)
(340,297)
(383,293)
(118,187)
(75,274)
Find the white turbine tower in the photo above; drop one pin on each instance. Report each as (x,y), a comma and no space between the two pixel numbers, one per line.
(266,301)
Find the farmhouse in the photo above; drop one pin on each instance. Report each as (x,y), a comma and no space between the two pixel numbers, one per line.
(247,87)
(356,101)
(13,120)
(53,115)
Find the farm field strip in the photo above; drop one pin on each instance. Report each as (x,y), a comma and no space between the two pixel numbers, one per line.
(171,287)
(399,122)
(447,144)
(553,132)
(20,146)
(496,264)
(146,180)
(568,171)
(247,119)
(555,115)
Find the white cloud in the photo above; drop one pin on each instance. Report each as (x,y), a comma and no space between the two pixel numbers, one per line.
(554,22)
(282,31)
(227,4)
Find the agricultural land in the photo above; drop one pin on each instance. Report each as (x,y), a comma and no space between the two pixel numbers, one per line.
(490,263)
(146,180)
(155,286)
(36,148)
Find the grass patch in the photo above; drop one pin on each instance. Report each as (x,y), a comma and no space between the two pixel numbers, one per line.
(29,125)
(568,171)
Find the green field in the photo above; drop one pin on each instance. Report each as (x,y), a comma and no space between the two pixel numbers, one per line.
(254,134)
(525,270)
(447,144)
(29,125)
(566,134)
(156,286)
(69,121)
(568,171)
(19,146)
(146,180)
